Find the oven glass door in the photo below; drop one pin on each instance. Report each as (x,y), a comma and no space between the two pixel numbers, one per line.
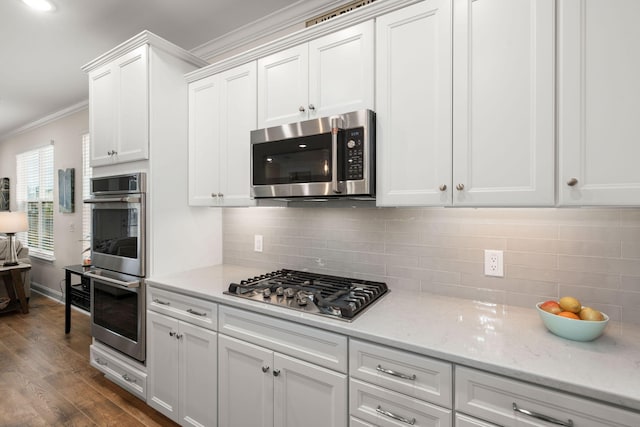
(290,161)
(118,237)
(117,317)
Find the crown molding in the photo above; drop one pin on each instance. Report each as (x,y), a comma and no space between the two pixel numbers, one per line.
(48,119)
(145,37)
(294,14)
(355,17)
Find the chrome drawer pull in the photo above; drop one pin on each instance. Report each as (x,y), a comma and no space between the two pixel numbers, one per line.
(100,362)
(128,379)
(394,416)
(157,301)
(568,423)
(197,313)
(396,374)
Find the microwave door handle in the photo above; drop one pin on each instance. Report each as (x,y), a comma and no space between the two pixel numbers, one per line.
(336,125)
(125,199)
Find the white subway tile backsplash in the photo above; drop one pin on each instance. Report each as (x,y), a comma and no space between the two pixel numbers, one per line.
(593,254)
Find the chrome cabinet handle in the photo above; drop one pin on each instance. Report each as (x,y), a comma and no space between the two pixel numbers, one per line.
(265,369)
(214,195)
(197,313)
(128,379)
(312,107)
(157,301)
(301,109)
(100,362)
(276,372)
(179,336)
(395,374)
(572,182)
(172,334)
(568,423)
(395,417)
(220,195)
(460,187)
(112,153)
(443,187)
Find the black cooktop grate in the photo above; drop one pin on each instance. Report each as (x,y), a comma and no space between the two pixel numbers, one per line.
(332,296)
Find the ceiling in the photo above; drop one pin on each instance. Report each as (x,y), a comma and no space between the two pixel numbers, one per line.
(42,52)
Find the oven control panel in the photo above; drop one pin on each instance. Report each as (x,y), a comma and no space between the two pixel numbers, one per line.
(354,149)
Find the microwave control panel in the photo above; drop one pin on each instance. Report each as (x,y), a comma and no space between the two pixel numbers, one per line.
(354,149)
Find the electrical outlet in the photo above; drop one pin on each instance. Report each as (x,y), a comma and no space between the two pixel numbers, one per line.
(257,243)
(493,263)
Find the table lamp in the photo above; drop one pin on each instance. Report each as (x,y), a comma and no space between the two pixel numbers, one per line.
(10,224)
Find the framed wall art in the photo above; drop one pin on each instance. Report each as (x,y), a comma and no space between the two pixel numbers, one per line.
(66,184)
(4,194)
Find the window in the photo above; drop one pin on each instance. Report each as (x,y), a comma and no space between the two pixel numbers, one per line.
(34,194)
(87,173)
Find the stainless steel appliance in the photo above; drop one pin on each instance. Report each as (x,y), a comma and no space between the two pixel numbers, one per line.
(326,157)
(118,223)
(337,297)
(117,289)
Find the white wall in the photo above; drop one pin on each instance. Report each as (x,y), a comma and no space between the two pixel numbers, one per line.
(67,136)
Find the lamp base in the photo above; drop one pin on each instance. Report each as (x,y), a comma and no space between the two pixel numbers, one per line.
(12,258)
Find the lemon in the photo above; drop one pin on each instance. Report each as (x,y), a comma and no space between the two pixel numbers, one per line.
(570,304)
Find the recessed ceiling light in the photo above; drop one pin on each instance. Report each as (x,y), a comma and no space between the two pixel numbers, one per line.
(40,5)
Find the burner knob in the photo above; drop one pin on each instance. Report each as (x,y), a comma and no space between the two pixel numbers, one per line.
(266,293)
(280,291)
(289,293)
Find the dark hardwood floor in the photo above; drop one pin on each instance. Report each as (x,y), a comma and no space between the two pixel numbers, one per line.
(46,379)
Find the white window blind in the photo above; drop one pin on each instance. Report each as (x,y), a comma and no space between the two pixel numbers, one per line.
(87,173)
(34,194)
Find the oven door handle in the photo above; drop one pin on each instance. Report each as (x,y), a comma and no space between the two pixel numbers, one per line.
(123,199)
(118,283)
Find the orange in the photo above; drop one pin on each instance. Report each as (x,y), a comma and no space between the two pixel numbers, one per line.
(569,314)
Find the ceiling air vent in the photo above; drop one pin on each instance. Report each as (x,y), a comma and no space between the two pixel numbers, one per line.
(339,11)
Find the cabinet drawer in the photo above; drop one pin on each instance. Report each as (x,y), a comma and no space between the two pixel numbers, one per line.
(417,376)
(304,342)
(193,310)
(119,371)
(491,397)
(387,408)
(464,421)
(355,422)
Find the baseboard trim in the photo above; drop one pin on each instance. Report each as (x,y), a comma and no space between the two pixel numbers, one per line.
(47,292)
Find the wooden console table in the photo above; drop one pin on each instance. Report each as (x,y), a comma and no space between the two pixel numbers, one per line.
(68,271)
(12,277)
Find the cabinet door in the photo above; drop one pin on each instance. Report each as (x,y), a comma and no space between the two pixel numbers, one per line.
(598,91)
(245,387)
(308,395)
(413,90)
(341,71)
(204,143)
(237,118)
(503,102)
(133,106)
(102,114)
(283,83)
(198,376)
(162,364)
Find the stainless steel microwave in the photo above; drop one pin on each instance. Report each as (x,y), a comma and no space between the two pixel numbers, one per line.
(326,157)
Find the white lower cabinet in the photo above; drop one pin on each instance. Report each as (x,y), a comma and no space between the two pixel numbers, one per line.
(264,387)
(120,369)
(392,387)
(182,364)
(508,402)
(465,421)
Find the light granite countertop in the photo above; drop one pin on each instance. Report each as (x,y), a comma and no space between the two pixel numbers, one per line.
(506,340)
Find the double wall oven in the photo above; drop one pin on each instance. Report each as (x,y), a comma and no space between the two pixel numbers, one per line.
(118,258)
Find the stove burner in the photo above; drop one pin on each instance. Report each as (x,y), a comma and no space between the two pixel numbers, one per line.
(331,296)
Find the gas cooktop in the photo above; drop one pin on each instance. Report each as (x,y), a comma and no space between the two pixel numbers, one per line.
(336,297)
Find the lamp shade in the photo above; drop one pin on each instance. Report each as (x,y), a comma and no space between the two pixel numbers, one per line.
(13,222)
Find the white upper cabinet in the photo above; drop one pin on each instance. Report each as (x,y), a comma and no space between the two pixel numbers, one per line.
(598,92)
(119,109)
(332,74)
(413,90)
(222,112)
(503,103)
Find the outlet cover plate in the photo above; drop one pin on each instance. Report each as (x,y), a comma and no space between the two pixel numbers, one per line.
(257,243)
(493,263)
